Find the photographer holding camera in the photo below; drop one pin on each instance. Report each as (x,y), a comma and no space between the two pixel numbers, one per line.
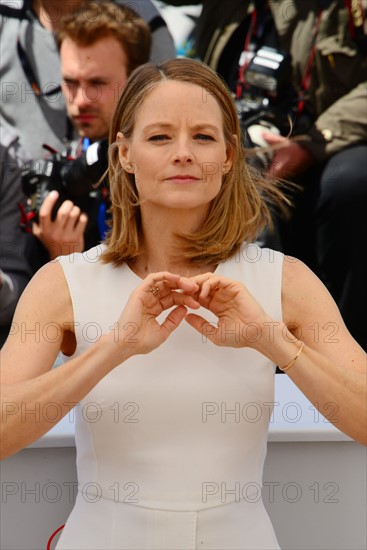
(328,43)
(100,45)
(324,148)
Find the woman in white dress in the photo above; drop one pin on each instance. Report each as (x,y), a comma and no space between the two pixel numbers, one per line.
(159,467)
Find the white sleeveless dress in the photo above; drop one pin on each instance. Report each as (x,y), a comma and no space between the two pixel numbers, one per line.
(171,445)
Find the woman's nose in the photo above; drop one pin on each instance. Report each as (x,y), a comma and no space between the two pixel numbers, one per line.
(183,152)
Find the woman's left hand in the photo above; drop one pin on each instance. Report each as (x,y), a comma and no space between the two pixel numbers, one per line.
(240,317)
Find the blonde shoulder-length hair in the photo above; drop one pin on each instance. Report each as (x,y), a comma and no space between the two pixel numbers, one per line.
(237,214)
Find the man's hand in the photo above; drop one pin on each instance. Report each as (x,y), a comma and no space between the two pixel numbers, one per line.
(290,158)
(65,235)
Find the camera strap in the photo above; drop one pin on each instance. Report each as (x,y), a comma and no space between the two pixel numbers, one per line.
(25,12)
(260,17)
(75,149)
(29,73)
(245,56)
(306,78)
(14,12)
(27,217)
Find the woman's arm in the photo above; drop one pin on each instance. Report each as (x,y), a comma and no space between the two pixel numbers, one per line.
(331,368)
(43,325)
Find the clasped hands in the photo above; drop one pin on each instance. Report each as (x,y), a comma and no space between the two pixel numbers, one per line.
(238,313)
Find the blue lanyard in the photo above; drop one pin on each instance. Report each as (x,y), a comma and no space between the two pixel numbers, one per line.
(102,209)
(86,143)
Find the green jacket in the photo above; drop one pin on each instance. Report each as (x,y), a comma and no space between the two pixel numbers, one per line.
(337,95)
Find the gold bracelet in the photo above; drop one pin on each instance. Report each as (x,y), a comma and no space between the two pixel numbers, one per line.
(291,363)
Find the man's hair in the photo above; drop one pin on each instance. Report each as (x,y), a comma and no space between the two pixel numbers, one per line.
(241,208)
(94,21)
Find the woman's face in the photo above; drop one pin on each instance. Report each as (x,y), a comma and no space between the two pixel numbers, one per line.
(177,152)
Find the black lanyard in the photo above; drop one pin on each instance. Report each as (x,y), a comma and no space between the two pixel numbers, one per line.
(28,71)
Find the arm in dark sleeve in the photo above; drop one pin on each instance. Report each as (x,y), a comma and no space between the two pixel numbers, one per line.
(343,124)
(15,271)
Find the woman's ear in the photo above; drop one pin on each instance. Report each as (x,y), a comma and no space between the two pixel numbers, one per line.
(123,147)
(230,152)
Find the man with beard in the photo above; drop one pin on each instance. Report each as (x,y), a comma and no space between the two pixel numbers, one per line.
(100,45)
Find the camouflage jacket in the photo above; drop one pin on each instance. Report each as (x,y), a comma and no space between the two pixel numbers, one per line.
(337,92)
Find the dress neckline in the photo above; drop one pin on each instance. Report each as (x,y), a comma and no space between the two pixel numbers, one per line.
(140,279)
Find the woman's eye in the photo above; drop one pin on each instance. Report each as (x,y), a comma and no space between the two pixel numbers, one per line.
(204,137)
(159,137)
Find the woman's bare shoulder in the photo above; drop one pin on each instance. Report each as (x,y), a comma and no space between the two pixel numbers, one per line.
(48,292)
(304,297)
(41,327)
(311,313)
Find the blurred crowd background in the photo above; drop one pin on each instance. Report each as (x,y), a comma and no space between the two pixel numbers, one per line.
(298,74)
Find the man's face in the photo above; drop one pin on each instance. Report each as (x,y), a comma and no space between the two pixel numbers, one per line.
(93,80)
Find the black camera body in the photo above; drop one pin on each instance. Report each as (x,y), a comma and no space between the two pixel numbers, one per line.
(71,178)
(268,96)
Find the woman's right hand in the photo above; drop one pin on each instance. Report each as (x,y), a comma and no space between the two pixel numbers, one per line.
(137,331)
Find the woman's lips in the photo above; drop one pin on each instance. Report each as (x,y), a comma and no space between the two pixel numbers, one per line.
(185,178)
